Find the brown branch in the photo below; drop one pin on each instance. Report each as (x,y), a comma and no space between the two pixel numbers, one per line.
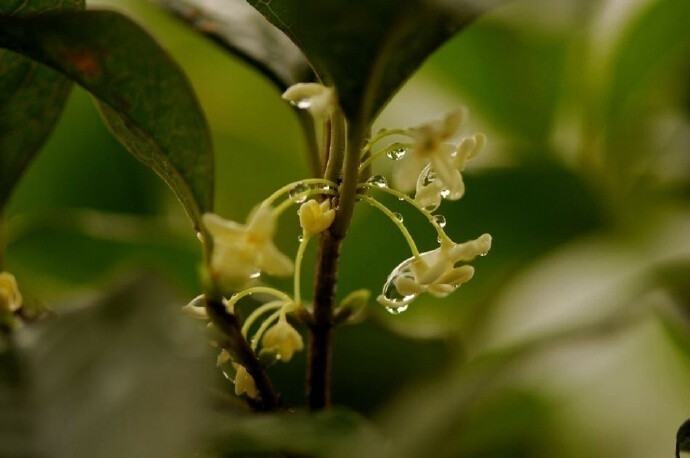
(227,323)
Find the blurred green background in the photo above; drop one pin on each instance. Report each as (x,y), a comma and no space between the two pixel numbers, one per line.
(572,340)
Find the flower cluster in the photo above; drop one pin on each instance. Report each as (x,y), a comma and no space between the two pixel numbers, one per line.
(430,165)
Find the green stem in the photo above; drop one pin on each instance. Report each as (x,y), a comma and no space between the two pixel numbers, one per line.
(256,289)
(288,187)
(264,326)
(441,233)
(298,269)
(257,313)
(298,197)
(382,135)
(386,211)
(379,153)
(336,147)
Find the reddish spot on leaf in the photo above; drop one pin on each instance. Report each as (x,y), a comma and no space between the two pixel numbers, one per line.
(84,61)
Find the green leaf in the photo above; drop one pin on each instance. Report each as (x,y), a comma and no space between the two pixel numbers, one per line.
(31,100)
(123,368)
(241,30)
(296,432)
(368,48)
(143,94)
(652,43)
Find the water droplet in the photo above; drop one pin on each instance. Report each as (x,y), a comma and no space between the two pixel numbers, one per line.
(401,198)
(440,220)
(200,236)
(378,181)
(300,238)
(303,104)
(445,192)
(438,239)
(484,253)
(228,371)
(396,310)
(297,191)
(396,154)
(254,275)
(268,357)
(398,216)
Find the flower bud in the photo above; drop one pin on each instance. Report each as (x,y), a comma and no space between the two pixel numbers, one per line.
(10,297)
(283,339)
(315,217)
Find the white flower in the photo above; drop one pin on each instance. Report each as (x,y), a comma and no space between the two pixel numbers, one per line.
(244,383)
(315,217)
(10,297)
(432,186)
(241,252)
(317,98)
(430,145)
(435,272)
(282,339)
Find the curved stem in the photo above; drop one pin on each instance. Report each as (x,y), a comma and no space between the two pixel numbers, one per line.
(298,269)
(257,313)
(303,195)
(264,326)
(336,147)
(411,201)
(288,187)
(382,135)
(379,153)
(256,289)
(386,211)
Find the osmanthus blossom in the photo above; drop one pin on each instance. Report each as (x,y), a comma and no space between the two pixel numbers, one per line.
(318,99)
(434,271)
(431,188)
(244,383)
(241,252)
(282,339)
(430,146)
(10,297)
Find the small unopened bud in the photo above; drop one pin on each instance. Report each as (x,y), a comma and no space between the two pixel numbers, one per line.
(315,217)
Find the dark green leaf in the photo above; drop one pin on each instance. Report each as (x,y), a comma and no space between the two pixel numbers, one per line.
(31,100)
(239,28)
(368,48)
(144,95)
(118,375)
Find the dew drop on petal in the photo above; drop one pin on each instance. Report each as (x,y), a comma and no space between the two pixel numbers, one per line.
(396,310)
(398,216)
(440,220)
(445,192)
(396,154)
(431,208)
(297,190)
(378,181)
(303,104)
(300,238)
(254,275)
